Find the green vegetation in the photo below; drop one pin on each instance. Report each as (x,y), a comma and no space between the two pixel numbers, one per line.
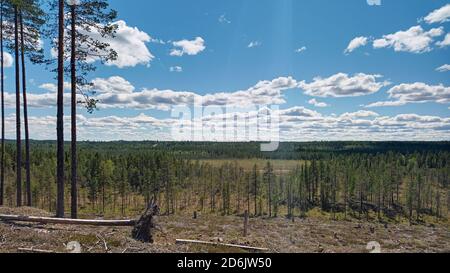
(364,180)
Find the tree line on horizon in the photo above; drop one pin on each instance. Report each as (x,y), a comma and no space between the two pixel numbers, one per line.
(68,25)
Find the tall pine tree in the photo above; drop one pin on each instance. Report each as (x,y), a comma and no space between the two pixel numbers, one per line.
(87,19)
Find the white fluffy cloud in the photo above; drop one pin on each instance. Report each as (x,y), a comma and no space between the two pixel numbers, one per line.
(107,128)
(302,124)
(385,104)
(254,44)
(116,92)
(365,125)
(301,49)
(317,103)
(441,15)
(263,93)
(356,43)
(146,99)
(414,40)
(443,68)
(445,42)
(296,124)
(39,101)
(114,85)
(54,88)
(176,69)
(8,60)
(188,47)
(359,114)
(298,111)
(343,85)
(415,93)
(420,92)
(111,86)
(129,43)
(362,125)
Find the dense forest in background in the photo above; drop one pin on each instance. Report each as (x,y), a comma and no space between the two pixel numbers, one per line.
(347,179)
(250,150)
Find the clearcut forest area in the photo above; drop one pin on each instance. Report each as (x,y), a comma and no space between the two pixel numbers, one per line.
(305,197)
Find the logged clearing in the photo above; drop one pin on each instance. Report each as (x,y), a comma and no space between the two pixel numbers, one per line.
(310,235)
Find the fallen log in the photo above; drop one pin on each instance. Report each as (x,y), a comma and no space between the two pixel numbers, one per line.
(65,221)
(182,241)
(34,250)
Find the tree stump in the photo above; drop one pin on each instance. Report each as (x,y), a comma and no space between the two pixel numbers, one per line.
(142,231)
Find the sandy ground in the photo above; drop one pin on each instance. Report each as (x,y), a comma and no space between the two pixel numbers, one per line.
(313,234)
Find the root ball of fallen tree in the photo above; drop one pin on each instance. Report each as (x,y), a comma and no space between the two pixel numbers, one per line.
(142,231)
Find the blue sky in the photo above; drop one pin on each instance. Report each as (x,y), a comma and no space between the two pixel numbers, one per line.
(177,50)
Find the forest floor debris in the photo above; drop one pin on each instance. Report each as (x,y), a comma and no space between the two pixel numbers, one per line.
(312,234)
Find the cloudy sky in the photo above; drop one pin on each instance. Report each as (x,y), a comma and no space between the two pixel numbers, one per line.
(329,70)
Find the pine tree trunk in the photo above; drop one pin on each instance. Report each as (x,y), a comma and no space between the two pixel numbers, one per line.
(103,198)
(256,193)
(25,115)
(122,204)
(74,205)
(2,79)
(346,195)
(270,195)
(18,125)
(248,195)
(60,115)
(419,192)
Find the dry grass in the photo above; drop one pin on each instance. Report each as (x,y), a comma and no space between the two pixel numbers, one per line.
(279,166)
(312,234)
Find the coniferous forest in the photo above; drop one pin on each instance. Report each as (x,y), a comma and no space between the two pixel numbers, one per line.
(350,179)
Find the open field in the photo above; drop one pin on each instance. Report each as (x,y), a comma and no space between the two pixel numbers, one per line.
(279,166)
(316,233)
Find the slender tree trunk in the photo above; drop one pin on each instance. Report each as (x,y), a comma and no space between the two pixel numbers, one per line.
(2,79)
(123,204)
(18,127)
(74,205)
(248,195)
(103,198)
(419,192)
(360,199)
(256,190)
(346,182)
(379,201)
(25,114)
(270,195)
(60,115)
